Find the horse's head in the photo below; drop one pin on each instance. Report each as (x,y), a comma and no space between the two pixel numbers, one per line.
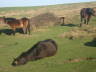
(19,61)
(2,19)
(94,11)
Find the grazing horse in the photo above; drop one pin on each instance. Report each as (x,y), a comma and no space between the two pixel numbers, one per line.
(18,23)
(86,14)
(40,50)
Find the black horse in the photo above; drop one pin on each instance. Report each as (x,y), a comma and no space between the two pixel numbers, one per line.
(86,14)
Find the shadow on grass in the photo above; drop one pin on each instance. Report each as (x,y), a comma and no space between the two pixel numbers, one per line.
(69,25)
(92,43)
(10,31)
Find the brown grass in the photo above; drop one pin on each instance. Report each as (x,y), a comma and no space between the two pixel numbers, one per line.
(45,19)
(59,10)
(80,59)
(88,31)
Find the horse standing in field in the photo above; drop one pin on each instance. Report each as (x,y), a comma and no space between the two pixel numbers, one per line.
(18,23)
(40,50)
(86,14)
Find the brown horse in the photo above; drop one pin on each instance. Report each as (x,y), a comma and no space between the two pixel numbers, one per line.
(86,14)
(40,50)
(18,23)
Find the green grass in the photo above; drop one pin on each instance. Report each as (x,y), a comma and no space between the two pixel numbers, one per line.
(13,46)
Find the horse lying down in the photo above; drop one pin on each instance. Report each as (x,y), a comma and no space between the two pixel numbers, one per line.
(40,50)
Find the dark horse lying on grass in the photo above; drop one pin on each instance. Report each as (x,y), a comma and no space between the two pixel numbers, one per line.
(40,50)
(86,14)
(18,23)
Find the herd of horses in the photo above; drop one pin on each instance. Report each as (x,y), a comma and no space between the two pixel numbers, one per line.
(24,23)
(44,48)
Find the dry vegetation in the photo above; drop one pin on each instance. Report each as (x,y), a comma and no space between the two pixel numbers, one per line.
(66,10)
(45,19)
(79,60)
(88,31)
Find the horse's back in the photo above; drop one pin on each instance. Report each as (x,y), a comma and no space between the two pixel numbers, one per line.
(45,48)
(86,12)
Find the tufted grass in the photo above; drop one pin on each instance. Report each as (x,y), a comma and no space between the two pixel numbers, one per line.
(13,46)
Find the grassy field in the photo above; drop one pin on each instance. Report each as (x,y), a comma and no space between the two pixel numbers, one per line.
(13,46)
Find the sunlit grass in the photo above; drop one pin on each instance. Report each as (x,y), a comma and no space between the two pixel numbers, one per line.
(12,46)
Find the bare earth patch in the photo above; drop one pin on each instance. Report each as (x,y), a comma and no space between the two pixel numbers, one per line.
(79,60)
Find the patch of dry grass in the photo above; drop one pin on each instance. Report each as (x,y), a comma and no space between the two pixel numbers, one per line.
(45,19)
(87,31)
(80,59)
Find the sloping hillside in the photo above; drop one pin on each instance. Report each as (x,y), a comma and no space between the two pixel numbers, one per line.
(59,10)
(76,46)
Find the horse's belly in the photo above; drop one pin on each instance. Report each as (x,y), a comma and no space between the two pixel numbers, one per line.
(19,26)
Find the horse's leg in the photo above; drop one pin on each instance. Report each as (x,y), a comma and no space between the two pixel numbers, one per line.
(85,19)
(88,19)
(29,28)
(24,30)
(82,19)
(81,22)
